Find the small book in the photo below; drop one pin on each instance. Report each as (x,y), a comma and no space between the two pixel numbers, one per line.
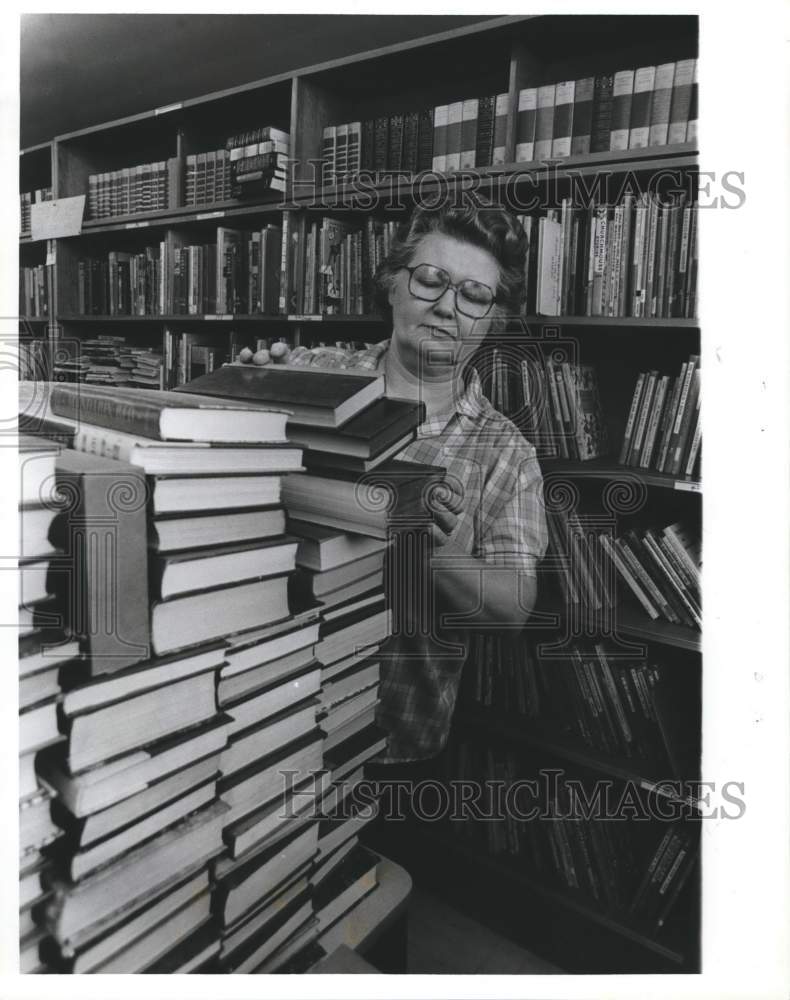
(325,398)
(367,434)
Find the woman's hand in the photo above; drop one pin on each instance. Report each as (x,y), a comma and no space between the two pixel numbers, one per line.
(445,519)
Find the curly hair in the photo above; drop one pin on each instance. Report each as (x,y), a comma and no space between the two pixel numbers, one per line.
(493,229)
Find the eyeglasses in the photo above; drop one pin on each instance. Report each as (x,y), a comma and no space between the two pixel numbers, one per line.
(429,283)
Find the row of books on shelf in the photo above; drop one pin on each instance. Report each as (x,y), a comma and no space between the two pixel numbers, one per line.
(34,290)
(195,179)
(629,109)
(586,696)
(161,831)
(660,567)
(638,258)
(630,872)
(664,426)
(28,198)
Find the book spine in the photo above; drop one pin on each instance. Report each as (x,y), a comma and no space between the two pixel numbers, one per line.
(581,135)
(661,103)
(454,124)
(469,123)
(410,133)
(368,143)
(656,414)
(484,140)
(341,153)
(395,142)
(644,413)
(602,114)
(622,98)
(563,119)
(681,101)
(425,136)
(544,123)
(328,154)
(614,553)
(639,128)
(499,151)
(631,421)
(691,128)
(441,117)
(525,124)
(353,154)
(689,413)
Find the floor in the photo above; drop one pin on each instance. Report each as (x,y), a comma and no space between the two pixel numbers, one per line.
(444,941)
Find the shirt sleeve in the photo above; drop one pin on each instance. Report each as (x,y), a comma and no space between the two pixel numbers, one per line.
(514,530)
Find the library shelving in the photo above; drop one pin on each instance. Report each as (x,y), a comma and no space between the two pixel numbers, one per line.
(503,56)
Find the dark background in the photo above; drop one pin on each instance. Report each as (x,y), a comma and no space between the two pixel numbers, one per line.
(78,70)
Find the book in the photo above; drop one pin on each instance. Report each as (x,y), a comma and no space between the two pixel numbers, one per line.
(166,415)
(182,457)
(232,687)
(80,911)
(484,140)
(563,119)
(639,126)
(312,397)
(251,649)
(660,105)
(581,131)
(681,100)
(525,124)
(273,696)
(544,121)
(425,139)
(182,495)
(499,150)
(322,548)
(692,126)
(195,618)
(264,738)
(251,923)
(223,528)
(113,781)
(367,434)
(622,98)
(319,584)
(106,521)
(469,123)
(452,160)
(602,113)
(346,886)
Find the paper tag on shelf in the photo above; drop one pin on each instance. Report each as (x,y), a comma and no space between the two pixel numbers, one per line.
(168,107)
(308,318)
(209,215)
(689,487)
(136,225)
(53,219)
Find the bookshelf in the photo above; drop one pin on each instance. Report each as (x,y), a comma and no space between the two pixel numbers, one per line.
(504,55)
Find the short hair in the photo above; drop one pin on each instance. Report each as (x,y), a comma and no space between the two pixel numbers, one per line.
(493,229)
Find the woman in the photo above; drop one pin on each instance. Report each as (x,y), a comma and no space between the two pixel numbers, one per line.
(451,277)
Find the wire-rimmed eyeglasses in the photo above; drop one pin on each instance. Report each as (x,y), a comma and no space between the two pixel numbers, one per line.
(429,283)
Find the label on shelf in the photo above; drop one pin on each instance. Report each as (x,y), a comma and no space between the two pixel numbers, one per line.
(169,107)
(308,318)
(689,487)
(136,225)
(209,215)
(53,219)
(218,316)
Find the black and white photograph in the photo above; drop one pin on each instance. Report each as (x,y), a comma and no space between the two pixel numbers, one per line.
(395,434)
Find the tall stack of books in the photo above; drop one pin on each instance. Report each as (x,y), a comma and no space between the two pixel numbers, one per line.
(258,159)
(44,647)
(146,795)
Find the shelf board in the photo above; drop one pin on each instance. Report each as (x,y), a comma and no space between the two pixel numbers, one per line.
(607,468)
(634,623)
(183,215)
(534,734)
(224,318)
(679,156)
(556,895)
(35,319)
(634,322)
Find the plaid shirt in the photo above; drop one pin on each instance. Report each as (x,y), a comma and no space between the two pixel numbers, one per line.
(502,522)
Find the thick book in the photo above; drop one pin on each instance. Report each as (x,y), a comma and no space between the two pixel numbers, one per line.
(249,682)
(351,881)
(581,130)
(544,122)
(563,119)
(112,782)
(622,98)
(272,697)
(182,495)
(410,141)
(499,150)
(602,114)
(367,434)
(525,124)
(264,738)
(484,140)
(166,415)
(322,548)
(325,398)
(201,569)
(639,126)
(440,126)
(469,120)
(261,646)
(660,104)
(196,618)
(425,140)
(681,100)
(251,923)
(103,534)
(455,113)
(170,534)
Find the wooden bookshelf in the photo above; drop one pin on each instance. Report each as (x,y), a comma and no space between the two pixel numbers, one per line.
(500,56)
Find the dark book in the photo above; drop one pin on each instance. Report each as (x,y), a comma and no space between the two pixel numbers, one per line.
(395,143)
(346,886)
(602,114)
(410,139)
(484,142)
(367,434)
(367,148)
(581,137)
(218,528)
(381,138)
(104,598)
(164,415)
(425,140)
(317,398)
(269,936)
(622,99)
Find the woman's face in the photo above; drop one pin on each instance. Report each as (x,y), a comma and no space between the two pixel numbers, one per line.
(433,338)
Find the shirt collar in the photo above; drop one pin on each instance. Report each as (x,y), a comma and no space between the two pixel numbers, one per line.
(471,405)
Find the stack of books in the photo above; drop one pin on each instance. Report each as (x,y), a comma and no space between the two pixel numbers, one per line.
(146,794)
(664,428)
(44,647)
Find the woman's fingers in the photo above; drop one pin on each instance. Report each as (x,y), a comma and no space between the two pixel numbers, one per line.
(445,519)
